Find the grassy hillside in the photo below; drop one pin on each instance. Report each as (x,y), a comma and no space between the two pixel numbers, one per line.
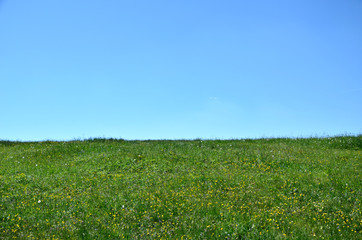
(229,189)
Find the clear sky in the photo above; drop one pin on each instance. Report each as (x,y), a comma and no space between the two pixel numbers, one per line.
(182,69)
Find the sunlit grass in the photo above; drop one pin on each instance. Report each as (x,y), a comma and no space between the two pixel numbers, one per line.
(229,189)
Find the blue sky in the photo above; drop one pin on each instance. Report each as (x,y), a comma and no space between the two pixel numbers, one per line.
(179,69)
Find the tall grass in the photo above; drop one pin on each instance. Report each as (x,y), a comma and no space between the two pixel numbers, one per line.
(187,189)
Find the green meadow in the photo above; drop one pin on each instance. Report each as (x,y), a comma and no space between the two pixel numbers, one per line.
(307,188)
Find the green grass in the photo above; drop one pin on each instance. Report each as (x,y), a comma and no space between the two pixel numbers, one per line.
(201,189)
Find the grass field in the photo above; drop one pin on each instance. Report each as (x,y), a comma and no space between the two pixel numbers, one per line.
(200,189)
